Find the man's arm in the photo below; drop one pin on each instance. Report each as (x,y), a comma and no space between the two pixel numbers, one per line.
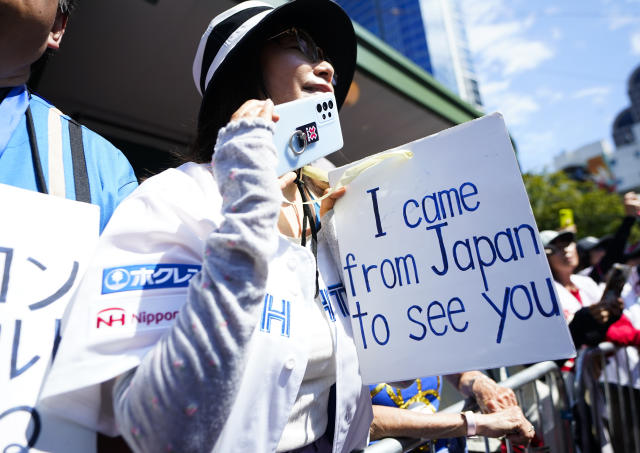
(395,422)
(615,251)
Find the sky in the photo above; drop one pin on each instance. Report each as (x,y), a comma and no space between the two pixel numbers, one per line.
(556,70)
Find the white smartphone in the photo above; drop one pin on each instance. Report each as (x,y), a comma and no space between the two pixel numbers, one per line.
(308,129)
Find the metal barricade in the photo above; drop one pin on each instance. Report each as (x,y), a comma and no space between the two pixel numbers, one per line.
(606,402)
(541,393)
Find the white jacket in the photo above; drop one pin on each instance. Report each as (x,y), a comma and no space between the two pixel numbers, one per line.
(181,206)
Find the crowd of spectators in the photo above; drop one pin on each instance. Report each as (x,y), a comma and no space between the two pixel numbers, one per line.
(596,280)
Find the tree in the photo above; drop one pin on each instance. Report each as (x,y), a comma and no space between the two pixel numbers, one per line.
(596,211)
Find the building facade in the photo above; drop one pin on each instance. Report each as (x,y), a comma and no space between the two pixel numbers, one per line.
(103,81)
(588,162)
(397,22)
(431,33)
(625,162)
(449,48)
(617,168)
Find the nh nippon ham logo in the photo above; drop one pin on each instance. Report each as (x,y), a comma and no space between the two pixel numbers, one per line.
(118,317)
(147,276)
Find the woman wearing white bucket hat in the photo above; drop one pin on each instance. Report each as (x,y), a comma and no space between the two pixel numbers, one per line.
(256,352)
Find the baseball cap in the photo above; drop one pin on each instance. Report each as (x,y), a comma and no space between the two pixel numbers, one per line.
(550,236)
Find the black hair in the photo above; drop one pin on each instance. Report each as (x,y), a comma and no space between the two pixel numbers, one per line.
(66,6)
(238,83)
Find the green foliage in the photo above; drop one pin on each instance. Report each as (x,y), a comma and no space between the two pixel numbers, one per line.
(596,211)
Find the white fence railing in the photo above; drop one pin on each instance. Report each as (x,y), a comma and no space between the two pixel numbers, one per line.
(594,409)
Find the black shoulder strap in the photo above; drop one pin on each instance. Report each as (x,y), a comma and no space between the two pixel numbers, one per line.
(80,177)
(41,184)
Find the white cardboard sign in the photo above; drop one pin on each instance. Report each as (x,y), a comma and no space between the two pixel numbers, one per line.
(45,243)
(443,266)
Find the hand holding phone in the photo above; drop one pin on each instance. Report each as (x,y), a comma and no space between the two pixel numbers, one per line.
(308,129)
(631,203)
(616,278)
(611,304)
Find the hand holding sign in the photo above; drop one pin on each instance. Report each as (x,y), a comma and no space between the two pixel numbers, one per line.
(444,256)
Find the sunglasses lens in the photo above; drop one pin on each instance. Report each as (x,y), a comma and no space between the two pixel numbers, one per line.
(305,44)
(308,47)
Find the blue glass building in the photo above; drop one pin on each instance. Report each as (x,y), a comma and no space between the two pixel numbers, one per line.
(431,33)
(397,22)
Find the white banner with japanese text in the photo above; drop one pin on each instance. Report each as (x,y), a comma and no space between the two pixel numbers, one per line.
(45,244)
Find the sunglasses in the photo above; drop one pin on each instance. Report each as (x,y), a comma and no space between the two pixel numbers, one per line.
(303,41)
(557,247)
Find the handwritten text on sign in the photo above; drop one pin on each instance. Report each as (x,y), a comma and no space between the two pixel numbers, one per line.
(443,267)
(44,244)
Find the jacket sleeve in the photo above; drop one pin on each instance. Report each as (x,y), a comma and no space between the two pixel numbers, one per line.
(585,329)
(615,251)
(180,395)
(623,333)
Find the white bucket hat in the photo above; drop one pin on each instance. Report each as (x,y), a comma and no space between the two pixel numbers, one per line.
(234,33)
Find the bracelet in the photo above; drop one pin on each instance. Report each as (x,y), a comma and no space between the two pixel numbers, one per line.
(471,423)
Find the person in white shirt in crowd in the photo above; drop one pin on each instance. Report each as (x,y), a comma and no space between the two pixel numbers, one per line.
(592,318)
(624,369)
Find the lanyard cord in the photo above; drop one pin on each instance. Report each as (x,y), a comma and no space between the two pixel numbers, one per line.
(35,154)
(308,217)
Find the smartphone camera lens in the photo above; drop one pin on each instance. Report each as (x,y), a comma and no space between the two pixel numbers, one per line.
(329,114)
(324,105)
(319,108)
(330,104)
(324,116)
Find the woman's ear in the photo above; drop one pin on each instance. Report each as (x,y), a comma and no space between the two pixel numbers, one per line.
(57,30)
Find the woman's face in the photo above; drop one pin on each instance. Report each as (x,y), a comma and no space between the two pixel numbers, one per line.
(290,74)
(27,28)
(564,257)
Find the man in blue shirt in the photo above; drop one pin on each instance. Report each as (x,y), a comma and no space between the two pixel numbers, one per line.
(42,149)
